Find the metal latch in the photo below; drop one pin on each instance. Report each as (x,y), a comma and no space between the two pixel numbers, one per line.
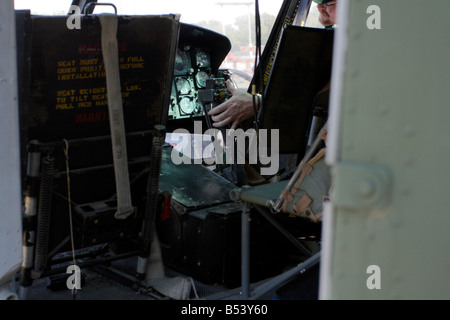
(362,186)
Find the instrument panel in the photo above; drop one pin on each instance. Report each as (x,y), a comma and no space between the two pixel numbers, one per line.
(191,71)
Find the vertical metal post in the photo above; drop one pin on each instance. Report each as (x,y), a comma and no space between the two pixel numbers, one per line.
(302,12)
(149,227)
(245,243)
(29,218)
(10,169)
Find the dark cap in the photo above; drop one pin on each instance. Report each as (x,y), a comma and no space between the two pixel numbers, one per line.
(322,1)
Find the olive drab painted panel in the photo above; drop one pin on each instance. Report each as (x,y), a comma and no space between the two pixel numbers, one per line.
(390,155)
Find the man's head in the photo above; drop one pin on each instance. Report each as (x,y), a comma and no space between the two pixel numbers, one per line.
(327,12)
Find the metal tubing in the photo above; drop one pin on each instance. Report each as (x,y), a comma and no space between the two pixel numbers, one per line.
(45,146)
(152,188)
(76,172)
(29,219)
(284,277)
(152,198)
(90,263)
(283,231)
(245,236)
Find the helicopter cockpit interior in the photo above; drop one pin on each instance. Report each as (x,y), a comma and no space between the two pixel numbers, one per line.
(101,190)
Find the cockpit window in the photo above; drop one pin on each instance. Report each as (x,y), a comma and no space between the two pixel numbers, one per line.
(45,7)
(233,18)
(313,17)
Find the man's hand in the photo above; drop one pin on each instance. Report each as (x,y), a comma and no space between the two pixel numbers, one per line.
(235,110)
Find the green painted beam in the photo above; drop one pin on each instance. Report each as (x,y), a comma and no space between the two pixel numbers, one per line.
(394,112)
